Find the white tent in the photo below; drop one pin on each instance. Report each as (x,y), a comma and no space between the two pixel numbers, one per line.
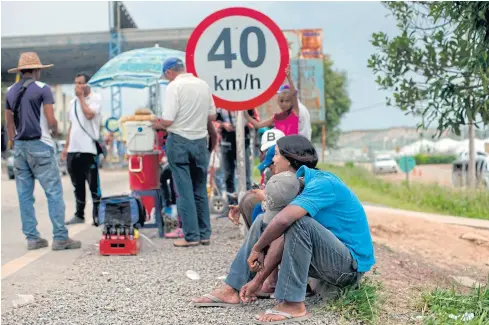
(446,145)
(464,146)
(421,146)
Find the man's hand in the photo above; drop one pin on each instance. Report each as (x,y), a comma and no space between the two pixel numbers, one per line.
(233,214)
(255,261)
(157,125)
(79,90)
(248,291)
(227,126)
(64,154)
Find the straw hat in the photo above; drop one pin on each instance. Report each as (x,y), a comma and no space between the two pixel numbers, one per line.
(29,60)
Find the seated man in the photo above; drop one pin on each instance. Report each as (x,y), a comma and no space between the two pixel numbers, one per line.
(325,235)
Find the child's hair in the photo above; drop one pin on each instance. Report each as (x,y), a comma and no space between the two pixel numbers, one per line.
(283,89)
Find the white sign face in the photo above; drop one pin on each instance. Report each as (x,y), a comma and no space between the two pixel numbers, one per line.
(240,57)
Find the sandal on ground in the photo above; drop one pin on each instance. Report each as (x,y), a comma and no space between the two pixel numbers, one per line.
(288,317)
(216,302)
(265,295)
(205,242)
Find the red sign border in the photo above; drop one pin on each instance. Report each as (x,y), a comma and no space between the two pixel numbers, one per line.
(271,25)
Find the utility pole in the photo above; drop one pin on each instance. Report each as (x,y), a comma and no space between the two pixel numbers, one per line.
(114,50)
(471,167)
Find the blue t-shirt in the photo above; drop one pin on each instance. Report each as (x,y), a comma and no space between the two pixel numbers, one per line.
(256,212)
(331,203)
(32,123)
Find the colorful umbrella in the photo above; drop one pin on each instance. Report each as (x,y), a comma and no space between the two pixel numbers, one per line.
(139,68)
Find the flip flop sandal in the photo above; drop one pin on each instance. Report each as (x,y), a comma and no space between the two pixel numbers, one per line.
(288,317)
(216,302)
(265,295)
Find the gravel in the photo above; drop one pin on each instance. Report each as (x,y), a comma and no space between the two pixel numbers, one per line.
(151,288)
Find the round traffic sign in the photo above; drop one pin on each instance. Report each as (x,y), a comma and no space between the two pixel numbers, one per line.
(406,164)
(242,54)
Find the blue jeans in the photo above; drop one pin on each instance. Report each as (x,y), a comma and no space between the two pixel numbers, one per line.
(228,165)
(310,250)
(37,160)
(189,160)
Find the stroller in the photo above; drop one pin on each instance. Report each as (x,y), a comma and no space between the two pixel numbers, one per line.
(218,203)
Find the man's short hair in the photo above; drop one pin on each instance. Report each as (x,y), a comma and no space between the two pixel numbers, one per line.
(85,75)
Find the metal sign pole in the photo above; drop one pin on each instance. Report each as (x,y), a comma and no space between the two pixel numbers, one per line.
(240,162)
(240,153)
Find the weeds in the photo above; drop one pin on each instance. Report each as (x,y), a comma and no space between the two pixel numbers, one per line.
(360,303)
(450,307)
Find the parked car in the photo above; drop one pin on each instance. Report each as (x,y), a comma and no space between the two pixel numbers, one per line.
(384,164)
(61,163)
(460,169)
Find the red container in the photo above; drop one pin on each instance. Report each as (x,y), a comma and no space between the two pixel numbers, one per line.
(121,246)
(144,171)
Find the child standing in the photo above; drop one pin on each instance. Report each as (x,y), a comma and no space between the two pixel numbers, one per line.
(287,120)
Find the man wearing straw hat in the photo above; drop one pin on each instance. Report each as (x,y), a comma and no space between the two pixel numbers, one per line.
(31,124)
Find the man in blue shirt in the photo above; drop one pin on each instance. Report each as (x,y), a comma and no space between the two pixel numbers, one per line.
(31,124)
(325,236)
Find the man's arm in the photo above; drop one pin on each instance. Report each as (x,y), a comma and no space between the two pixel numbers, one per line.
(49,114)
(279,224)
(212,108)
(48,102)
(212,135)
(89,111)
(316,196)
(67,144)
(9,117)
(170,106)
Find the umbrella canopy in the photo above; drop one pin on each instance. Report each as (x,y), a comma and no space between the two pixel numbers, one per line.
(139,68)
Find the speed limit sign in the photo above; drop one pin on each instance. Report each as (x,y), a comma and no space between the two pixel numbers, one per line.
(242,54)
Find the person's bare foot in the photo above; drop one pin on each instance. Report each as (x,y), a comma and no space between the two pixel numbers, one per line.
(295,309)
(226,294)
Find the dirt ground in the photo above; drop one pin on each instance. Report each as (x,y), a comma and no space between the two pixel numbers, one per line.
(414,255)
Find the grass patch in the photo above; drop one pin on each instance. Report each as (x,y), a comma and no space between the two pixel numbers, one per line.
(361,303)
(450,307)
(417,197)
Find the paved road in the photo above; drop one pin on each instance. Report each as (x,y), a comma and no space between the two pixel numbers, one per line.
(13,240)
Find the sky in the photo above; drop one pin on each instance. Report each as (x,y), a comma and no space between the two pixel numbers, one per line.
(347,29)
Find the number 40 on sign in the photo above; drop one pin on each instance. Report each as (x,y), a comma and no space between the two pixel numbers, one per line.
(242,54)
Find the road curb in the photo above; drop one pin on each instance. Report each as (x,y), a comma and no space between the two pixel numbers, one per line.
(461,221)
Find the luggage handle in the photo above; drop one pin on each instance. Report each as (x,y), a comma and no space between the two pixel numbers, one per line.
(136,170)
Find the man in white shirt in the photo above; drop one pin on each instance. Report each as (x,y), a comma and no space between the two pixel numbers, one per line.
(187,111)
(81,150)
